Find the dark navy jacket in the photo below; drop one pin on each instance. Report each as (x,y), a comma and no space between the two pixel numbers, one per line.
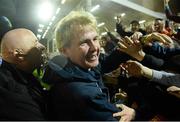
(21,96)
(79,94)
(162,52)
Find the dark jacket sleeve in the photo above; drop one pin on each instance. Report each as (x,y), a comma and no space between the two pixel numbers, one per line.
(168,80)
(121,31)
(15,102)
(80,103)
(112,61)
(162,52)
(170,16)
(153,62)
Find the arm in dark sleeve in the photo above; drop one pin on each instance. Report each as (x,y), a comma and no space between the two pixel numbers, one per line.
(162,52)
(111,62)
(113,37)
(167,79)
(121,31)
(170,16)
(153,62)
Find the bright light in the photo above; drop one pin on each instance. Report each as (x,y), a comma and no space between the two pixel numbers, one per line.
(115,29)
(63,1)
(50,23)
(41,25)
(44,35)
(53,18)
(142,21)
(38,36)
(95,8)
(103,33)
(57,11)
(40,30)
(101,24)
(48,28)
(45,11)
(123,14)
(115,17)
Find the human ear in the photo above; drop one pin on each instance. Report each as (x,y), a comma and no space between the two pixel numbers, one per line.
(64,51)
(18,54)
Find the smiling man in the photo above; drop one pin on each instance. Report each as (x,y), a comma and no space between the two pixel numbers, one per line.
(77,91)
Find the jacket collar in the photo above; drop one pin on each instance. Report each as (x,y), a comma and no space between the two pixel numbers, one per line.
(67,70)
(18,74)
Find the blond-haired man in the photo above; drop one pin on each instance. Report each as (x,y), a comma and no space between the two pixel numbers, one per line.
(77,91)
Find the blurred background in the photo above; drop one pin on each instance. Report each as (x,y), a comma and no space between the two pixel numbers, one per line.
(41,16)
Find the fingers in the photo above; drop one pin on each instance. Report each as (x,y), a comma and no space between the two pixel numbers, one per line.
(176,94)
(128,64)
(125,66)
(121,45)
(128,40)
(120,106)
(127,114)
(118,114)
(124,71)
(125,44)
(173,89)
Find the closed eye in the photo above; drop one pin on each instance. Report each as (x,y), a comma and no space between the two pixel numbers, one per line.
(96,38)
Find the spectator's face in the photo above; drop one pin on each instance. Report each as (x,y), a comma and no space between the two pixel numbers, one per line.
(158,25)
(134,27)
(85,48)
(149,29)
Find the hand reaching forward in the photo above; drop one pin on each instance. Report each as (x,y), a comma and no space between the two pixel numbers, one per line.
(136,69)
(127,114)
(174,90)
(132,48)
(161,38)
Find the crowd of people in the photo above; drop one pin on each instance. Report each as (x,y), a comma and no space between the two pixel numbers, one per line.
(72,85)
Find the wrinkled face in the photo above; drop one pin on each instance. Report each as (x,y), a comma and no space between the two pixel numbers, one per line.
(158,25)
(85,48)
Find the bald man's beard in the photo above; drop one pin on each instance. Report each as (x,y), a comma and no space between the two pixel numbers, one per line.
(45,59)
(38,59)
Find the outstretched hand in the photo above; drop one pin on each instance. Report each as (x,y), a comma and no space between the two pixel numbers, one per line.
(161,38)
(174,90)
(136,69)
(132,48)
(127,114)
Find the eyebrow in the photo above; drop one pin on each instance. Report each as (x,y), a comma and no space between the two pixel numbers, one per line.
(85,39)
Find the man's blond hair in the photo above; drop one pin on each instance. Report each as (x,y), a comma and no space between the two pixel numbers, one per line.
(65,30)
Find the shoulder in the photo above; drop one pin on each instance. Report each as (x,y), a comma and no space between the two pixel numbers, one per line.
(5,76)
(82,90)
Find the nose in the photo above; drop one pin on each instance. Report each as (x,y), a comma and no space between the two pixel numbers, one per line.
(93,45)
(41,47)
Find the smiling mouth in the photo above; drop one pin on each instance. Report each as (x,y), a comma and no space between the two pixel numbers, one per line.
(92,58)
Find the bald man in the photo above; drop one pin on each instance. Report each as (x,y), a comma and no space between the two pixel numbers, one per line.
(21,95)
